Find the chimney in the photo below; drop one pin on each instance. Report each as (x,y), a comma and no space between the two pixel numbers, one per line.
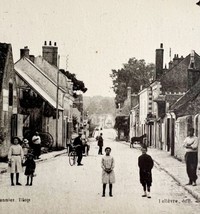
(159,61)
(170,65)
(193,74)
(32,58)
(134,100)
(128,93)
(24,52)
(192,62)
(50,53)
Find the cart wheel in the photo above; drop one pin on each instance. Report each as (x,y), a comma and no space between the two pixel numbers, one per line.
(72,158)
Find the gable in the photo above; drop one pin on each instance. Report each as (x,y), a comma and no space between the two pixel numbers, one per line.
(176,79)
(39,77)
(51,71)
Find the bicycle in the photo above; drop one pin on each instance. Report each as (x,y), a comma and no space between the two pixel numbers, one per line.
(73,156)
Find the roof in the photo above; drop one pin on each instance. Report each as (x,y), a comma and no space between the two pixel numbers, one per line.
(37,88)
(76,114)
(51,71)
(39,77)
(191,94)
(3,56)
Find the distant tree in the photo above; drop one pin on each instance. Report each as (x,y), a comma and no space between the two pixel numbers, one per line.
(78,85)
(133,74)
(99,105)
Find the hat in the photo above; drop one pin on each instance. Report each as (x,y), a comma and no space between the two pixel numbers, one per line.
(25,141)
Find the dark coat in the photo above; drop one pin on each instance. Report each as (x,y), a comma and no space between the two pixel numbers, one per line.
(30,167)
(78,141)
(145,164)
(100,141)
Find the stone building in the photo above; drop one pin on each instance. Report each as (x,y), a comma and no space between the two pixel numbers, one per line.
(171,95)
(45,97)
(8,97)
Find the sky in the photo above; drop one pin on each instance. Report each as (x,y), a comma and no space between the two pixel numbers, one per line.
(96,36)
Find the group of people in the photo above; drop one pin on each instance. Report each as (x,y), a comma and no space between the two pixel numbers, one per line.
(145,164)
(20,155)
(16,161)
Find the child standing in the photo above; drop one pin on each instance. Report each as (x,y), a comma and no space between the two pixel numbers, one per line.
(15,157)
(25,146)
(30,168)
(108,176)
(145,164)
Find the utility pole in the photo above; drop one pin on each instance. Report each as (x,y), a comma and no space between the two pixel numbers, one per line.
(57,93)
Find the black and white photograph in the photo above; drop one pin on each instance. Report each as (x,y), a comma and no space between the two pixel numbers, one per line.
(99,106)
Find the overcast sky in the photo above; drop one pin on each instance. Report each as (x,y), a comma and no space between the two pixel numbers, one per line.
(100,35)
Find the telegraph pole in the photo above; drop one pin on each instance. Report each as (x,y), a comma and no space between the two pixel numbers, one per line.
(57,93)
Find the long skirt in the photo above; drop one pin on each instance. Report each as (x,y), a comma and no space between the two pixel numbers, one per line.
(108,178)
(16,165)
(191,159)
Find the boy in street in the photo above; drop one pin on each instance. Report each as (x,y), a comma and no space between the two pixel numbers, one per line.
(145,164)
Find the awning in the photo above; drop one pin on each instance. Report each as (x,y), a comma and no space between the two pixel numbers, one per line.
(76,114)
(37,88)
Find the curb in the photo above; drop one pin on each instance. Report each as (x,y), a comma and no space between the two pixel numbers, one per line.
(4,170)
(195,194)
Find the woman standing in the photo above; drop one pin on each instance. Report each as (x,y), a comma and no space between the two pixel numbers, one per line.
(15,157)
(108,176)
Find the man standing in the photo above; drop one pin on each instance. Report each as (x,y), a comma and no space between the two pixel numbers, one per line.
(100,144)
(36,145)
(79,148)
(191,156)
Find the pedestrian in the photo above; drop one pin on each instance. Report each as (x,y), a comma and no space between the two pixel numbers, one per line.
(100,144)
(79,148)
(145,141)
(145,164)
(30,168)
(25,146)
(108,175)
(15,157)
(36,140)
(191,156)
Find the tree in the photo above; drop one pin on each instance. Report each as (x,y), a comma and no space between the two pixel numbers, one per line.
(99,105)
(78,85)
(133,74)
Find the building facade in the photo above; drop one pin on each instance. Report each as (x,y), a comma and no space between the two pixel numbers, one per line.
(8,97)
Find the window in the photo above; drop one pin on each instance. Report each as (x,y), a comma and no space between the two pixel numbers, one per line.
(10,98)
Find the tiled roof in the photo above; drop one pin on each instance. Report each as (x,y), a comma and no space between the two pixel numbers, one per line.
(191,94)
(37,88)
(3,55)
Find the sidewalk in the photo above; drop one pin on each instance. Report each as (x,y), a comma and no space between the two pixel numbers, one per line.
(43,157)
(173,167)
